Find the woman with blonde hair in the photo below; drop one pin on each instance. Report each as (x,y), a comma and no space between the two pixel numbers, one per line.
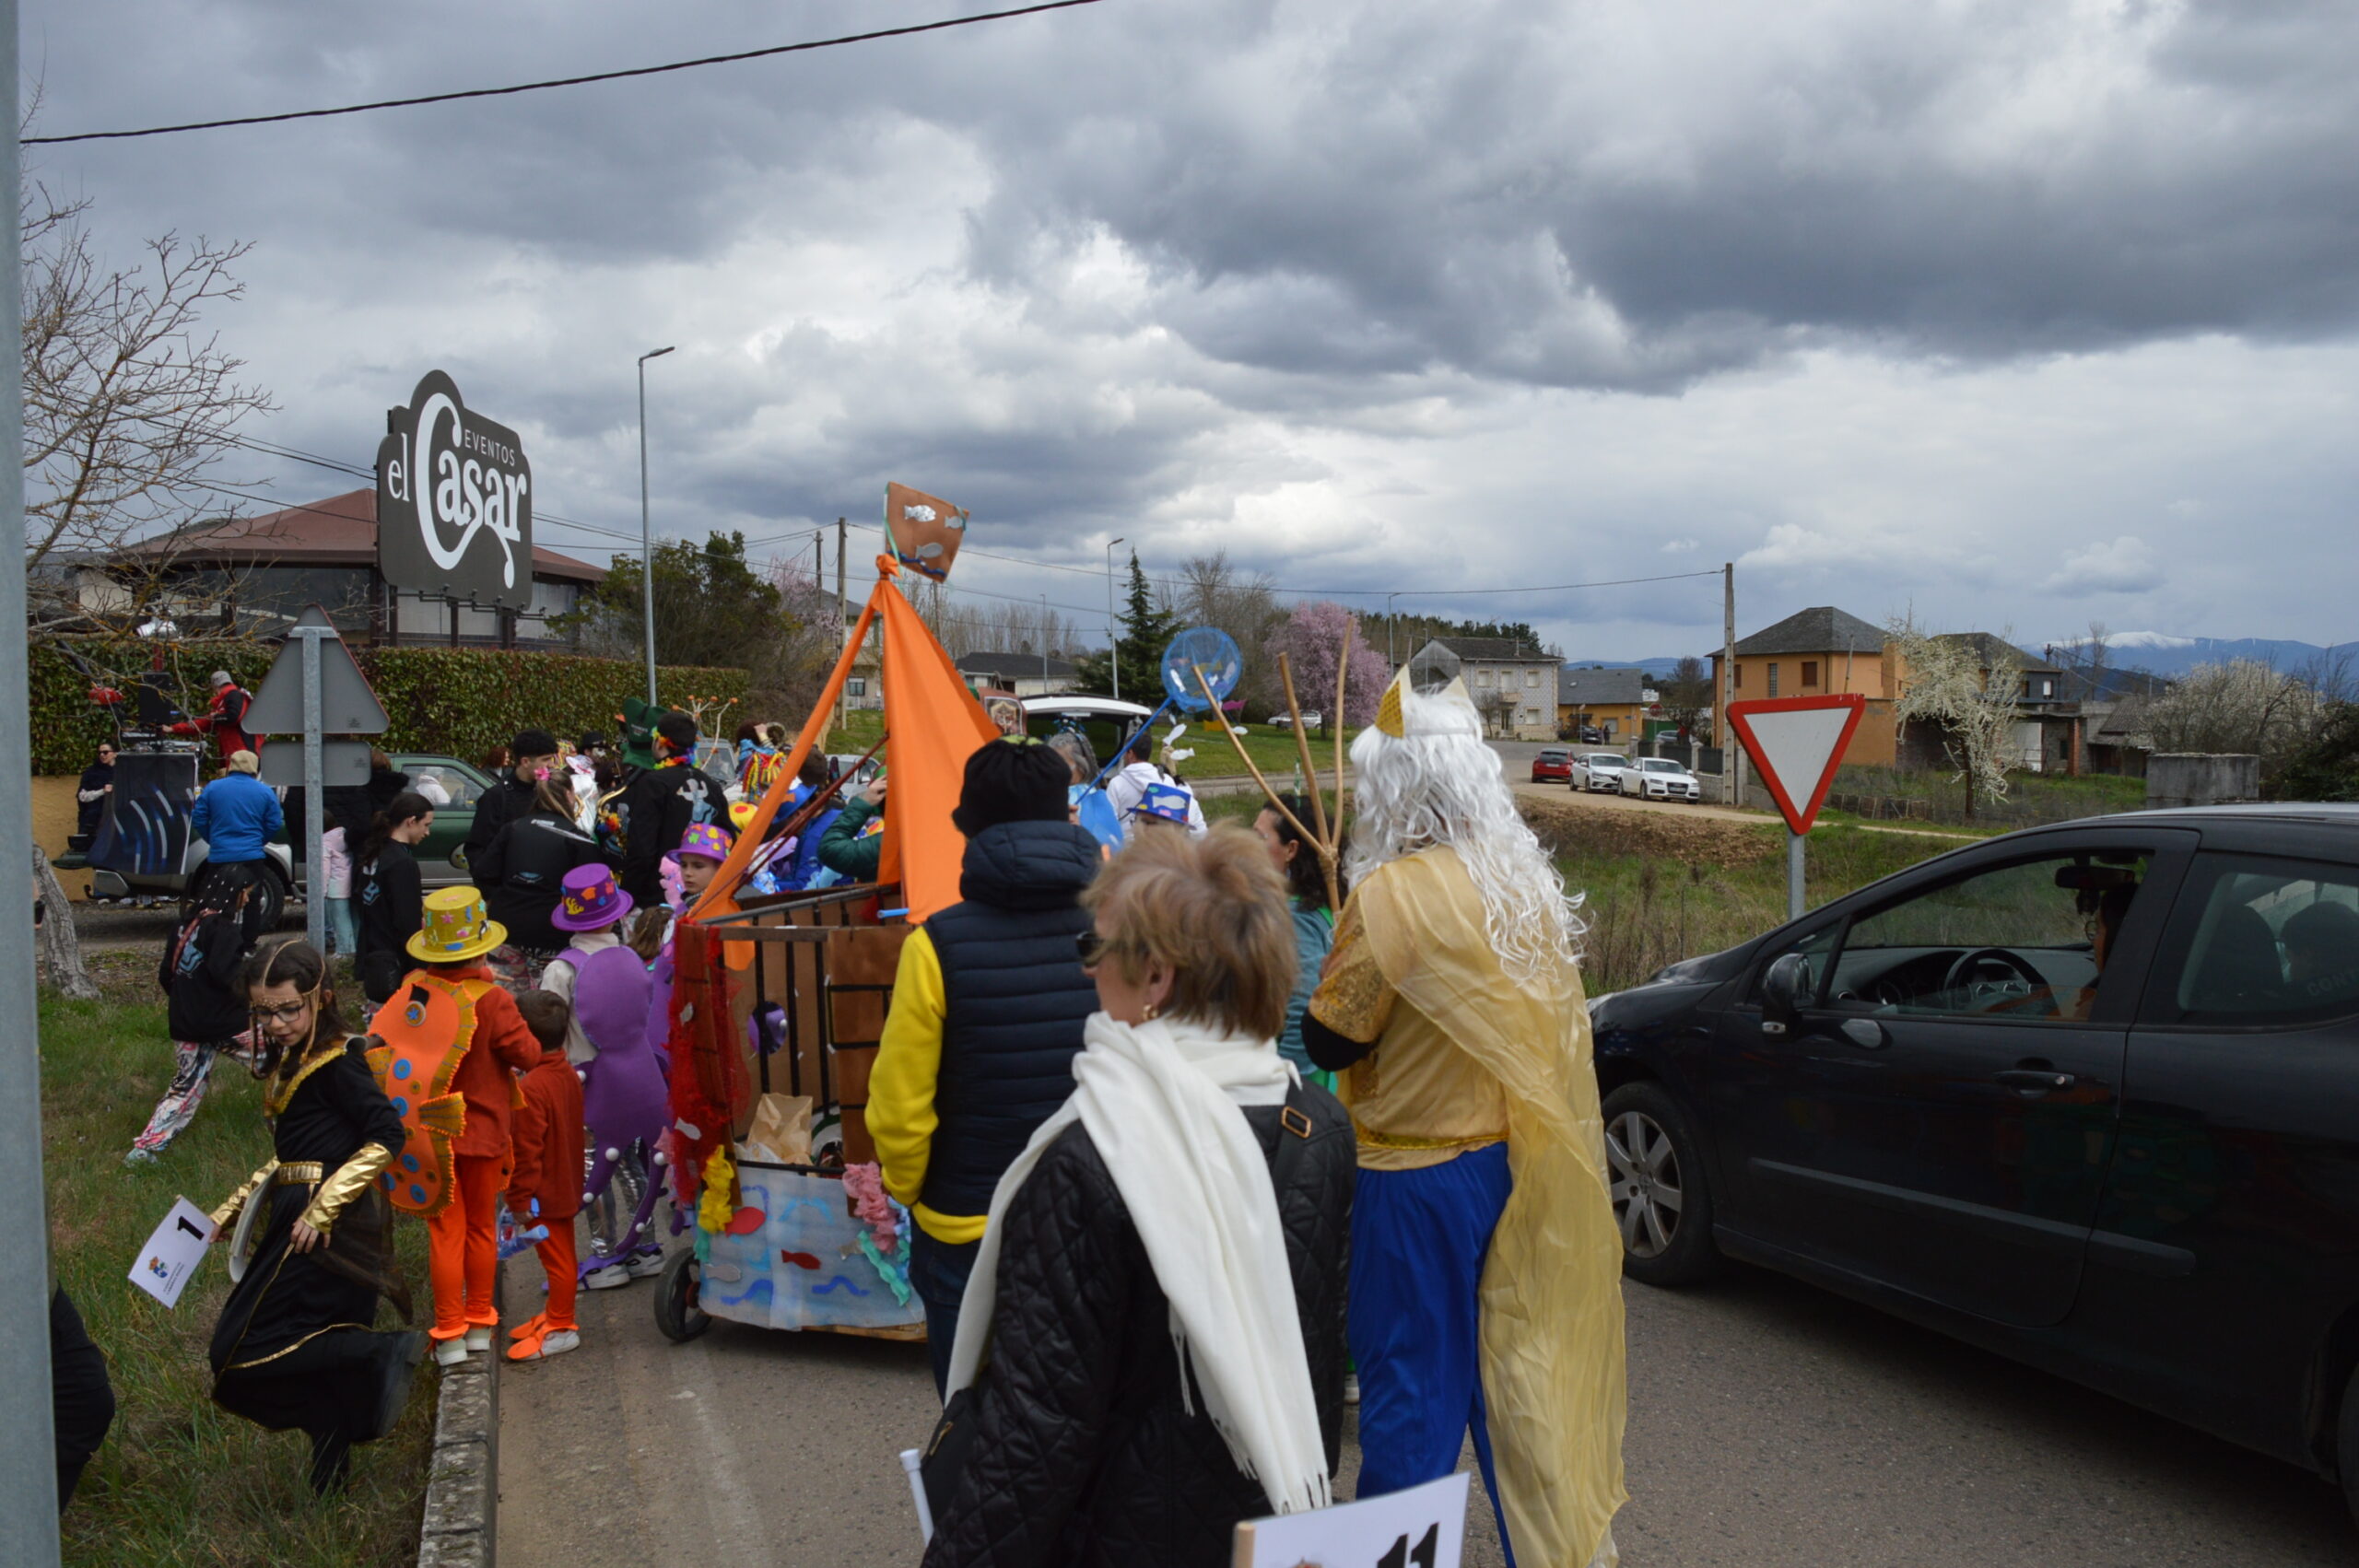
(1151,1348)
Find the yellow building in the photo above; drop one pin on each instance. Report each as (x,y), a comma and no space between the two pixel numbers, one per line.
(1611,703)
(1817,652)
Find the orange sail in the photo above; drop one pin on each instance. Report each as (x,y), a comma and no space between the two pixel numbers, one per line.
(933,724)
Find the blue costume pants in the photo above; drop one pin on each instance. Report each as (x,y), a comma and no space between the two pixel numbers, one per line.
(1418,1242)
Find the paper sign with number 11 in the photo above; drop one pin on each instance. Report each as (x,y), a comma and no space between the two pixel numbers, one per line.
(1422,1528)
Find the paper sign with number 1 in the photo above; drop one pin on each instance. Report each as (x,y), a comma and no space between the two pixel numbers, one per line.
(1422,1528)
(172,1254)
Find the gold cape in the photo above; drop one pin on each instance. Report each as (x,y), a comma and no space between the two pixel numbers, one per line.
(1552,1341)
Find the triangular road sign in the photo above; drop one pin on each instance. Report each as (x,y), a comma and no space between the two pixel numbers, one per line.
(1797,742)
(347,705)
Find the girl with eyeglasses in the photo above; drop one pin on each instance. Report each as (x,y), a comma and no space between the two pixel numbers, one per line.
(311,1233)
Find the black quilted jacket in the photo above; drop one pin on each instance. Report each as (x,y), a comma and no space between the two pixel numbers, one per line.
(1083,1457)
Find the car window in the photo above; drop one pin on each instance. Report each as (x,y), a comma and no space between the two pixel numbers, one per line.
(461,788)
(2260,940)
(1653,765)
(2026,942)
(1607,759)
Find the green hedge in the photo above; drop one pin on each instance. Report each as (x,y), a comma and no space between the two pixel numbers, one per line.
(455,701)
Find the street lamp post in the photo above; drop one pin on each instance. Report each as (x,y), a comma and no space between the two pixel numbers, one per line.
(1388,631)
(646,534)
(1113,643)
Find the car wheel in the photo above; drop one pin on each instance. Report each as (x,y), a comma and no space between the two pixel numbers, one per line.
(1662,1203)
(269,900)
(678,1313)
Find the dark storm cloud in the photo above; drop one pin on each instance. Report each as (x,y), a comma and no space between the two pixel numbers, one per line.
(1534,192)
(1312,278)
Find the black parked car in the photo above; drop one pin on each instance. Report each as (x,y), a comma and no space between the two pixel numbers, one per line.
(2087,1095)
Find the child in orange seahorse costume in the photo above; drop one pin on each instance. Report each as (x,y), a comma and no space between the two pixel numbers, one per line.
(462,1237)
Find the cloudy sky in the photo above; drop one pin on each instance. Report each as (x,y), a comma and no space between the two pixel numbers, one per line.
(2019,313)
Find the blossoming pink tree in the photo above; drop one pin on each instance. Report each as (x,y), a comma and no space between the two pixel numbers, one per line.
(1312,640)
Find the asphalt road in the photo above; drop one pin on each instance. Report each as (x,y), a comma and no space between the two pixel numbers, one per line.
(1770,1425)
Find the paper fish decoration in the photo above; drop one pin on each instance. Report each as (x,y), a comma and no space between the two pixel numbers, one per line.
(925,529)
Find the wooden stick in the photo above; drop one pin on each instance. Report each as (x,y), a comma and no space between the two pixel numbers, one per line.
(1302,741)
(1276,804)
(1321,844)
(1343,669)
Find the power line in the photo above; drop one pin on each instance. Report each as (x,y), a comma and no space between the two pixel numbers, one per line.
(561,81)
(273,449)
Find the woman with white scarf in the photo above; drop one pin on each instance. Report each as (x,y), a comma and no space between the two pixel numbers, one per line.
(1154,1331)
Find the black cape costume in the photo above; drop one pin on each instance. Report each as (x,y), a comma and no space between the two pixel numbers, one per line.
(295,1346)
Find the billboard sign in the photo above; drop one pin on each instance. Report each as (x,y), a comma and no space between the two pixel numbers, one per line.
(454,501)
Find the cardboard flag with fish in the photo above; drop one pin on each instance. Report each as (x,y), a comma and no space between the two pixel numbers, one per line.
(925,529)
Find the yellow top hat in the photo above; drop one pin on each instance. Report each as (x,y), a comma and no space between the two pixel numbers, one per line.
(457,927)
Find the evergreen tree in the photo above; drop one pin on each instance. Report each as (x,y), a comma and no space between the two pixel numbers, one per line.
(1148,630)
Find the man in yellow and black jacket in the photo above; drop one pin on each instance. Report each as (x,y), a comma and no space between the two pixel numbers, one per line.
(987,1015)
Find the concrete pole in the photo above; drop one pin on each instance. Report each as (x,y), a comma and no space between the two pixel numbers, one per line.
(646,532)
(1732,754)
(843,623)
(27,1441)
(1114,638)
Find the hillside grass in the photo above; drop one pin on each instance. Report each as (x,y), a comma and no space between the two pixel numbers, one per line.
(178,1480)
(1656,887)
(1272,747)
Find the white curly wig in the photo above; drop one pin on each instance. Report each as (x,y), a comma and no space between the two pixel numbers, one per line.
(1437,783)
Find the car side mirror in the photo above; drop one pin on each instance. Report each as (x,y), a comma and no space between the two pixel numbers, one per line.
(1784,989)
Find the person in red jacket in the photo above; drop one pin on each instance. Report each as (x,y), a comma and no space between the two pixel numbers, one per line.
(545,1187)
(462,1240)
(226,719)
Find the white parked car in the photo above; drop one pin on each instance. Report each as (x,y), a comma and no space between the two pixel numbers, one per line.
(1660,778)
(1599,771)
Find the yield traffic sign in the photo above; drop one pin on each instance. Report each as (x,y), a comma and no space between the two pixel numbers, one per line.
(347,705)
(1797,742)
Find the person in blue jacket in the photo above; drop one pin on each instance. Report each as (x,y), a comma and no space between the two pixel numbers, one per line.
(236,815)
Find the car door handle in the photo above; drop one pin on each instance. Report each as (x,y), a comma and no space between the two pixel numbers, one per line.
(1865,1032)
(2039,1078)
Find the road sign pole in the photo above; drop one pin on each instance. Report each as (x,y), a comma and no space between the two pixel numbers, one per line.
(315,905)
(28,1469)
(1794,842)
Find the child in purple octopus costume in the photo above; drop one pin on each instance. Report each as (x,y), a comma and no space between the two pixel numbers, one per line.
(624,1100)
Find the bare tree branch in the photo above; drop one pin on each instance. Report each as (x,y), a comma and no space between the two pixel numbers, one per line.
(129,403)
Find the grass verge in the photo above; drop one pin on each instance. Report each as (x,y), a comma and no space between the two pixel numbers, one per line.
(1658,888)
(178,1480)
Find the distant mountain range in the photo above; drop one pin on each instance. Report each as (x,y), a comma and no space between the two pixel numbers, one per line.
(2162,653)
(1660,668)
(2158,654)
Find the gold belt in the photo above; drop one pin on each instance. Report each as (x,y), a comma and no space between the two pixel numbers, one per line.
(296,1171)
(1408,1141)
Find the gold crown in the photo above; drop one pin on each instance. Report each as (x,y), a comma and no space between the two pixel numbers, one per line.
(1388,712)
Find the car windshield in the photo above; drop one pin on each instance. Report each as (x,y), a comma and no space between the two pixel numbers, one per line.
(1551,757)
(1653,765)
(1606,760)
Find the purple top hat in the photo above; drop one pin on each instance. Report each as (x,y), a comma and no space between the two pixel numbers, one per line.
(591,901)
(706,840)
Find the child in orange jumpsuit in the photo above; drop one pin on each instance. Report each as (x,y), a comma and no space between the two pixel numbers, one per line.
(547,1187)
(463,1254)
